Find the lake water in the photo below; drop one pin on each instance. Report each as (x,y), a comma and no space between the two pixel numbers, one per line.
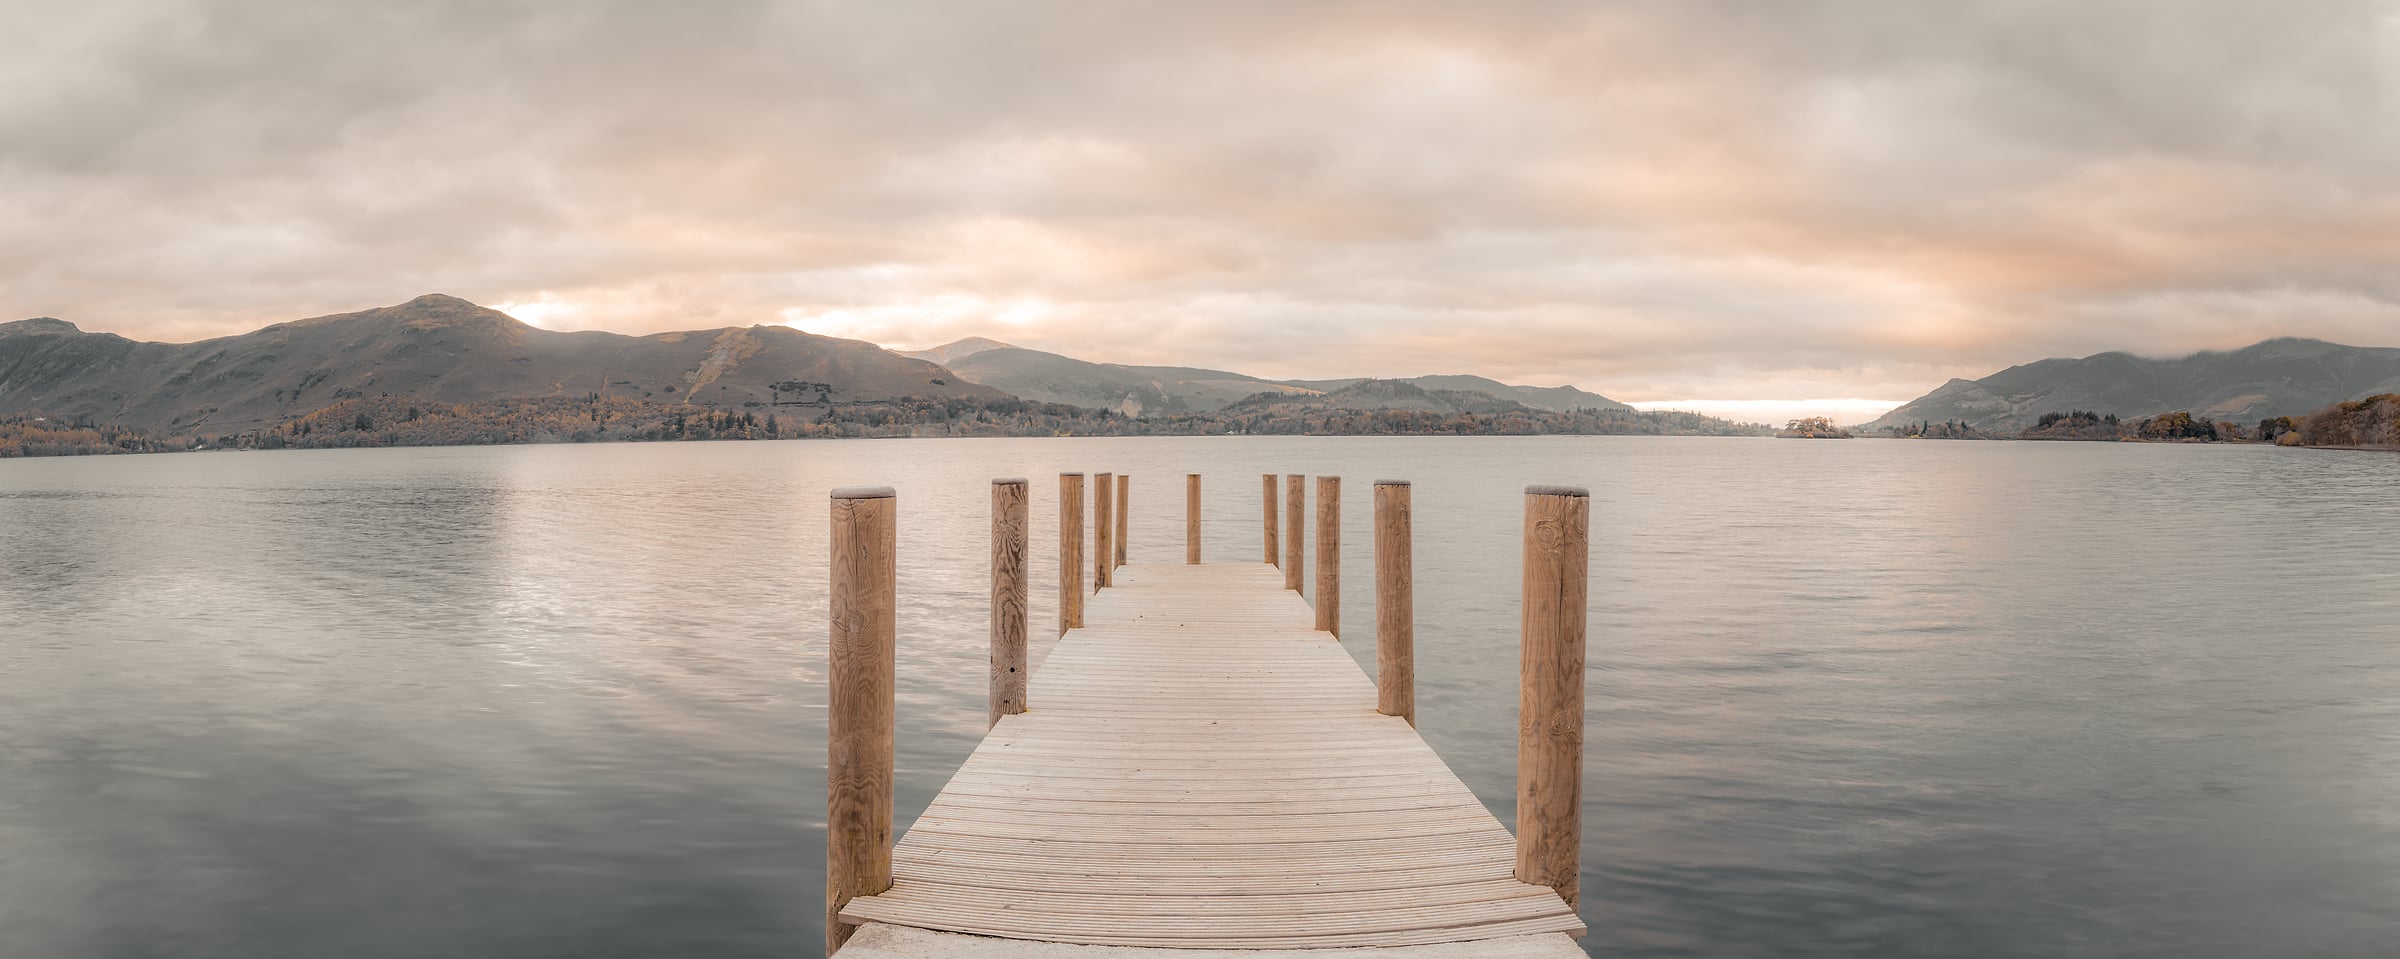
(1846,699)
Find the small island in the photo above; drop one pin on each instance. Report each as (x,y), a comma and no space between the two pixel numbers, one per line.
(1813,428)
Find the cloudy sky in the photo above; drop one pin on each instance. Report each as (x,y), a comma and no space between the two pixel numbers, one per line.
(1675,201)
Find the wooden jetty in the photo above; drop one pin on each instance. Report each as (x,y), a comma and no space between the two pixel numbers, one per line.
(1198,765)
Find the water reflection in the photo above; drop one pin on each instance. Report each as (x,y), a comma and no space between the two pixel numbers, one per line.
(1847,699)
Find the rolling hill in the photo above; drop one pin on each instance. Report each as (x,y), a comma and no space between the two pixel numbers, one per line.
(1553,398)
(438,348)
(1131,390)
(2279,377)
(1372,395)
(949,353)
(1157,390)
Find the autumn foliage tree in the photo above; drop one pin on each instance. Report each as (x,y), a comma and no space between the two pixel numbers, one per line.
(2374,421)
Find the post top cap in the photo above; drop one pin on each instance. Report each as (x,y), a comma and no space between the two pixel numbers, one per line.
(1009,481)
(1105,473)
(1575,491)
(863,492)
(1391,482)
(1065,475)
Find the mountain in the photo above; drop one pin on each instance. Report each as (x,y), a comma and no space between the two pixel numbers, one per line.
(1156,390)
(949,353)
(437,348)
(1554,398)
(1400,407)
(1371,395)
(2280,377)
(1132,390)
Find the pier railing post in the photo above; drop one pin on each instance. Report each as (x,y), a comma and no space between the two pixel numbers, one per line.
(858,766)
(1070,551)
(1550,699)
(1295,529)
(1009,597)
(1329,554)
(1395,603)
(1267,501)
(1124,509)
(1104,527)
(1191,518)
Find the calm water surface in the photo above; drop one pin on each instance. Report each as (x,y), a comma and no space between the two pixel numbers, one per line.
(1869,698)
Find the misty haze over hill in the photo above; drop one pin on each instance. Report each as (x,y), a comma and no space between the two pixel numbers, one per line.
(2279,377)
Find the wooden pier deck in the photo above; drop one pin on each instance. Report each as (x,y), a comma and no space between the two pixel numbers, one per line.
(1198,764)
(1201,768)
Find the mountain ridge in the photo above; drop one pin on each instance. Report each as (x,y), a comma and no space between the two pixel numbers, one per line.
(2282,376)
(439,348)
(1153,390)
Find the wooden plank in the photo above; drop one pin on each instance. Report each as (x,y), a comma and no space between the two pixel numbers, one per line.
(1205,770)
(1314,905)
(1028,870)
(1498,930)
(1426,804)
(1199,883)
(1210,930)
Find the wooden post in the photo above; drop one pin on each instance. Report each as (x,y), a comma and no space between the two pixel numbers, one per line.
(858,762)
(1395,604)
(1267,500)
(1104,527)
(1009,597)
(1070,552)
(1124,509)
(1329,554)
(1295,529)
(1191,518)
(1550,699)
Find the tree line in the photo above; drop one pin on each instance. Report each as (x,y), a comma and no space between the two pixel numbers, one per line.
(2371,422)
(33,434)
(593,418)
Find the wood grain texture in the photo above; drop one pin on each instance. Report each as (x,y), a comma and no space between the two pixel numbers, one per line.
(1070,551)
(1273,550)
(858,762)
(1295,530)
(1011,595)
(1550,695)
(1207,772)
(1395,604)
(1104,529)
(1329,554)
(1124,511)
(1191,518)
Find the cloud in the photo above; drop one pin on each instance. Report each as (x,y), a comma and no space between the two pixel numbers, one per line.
(1655,200)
